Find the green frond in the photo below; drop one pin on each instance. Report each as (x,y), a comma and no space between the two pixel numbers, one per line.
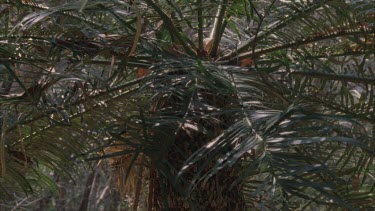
(273,98)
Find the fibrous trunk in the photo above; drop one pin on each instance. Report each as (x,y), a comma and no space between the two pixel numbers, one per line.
(214,194)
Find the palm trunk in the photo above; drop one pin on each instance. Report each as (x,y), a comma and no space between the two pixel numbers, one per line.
(212,195)
(85,199)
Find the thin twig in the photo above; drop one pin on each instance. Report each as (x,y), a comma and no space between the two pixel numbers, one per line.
(17,206)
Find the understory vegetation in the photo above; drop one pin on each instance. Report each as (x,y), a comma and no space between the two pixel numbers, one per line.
(187,105)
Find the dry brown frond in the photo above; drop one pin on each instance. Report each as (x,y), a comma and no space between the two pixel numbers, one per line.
(129,178)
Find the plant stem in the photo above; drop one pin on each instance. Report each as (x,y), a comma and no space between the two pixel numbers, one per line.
(336,77)
(312,39)
(277,26)
(2,143)
(216,30)
(200,26)
(138,186)
(171,27)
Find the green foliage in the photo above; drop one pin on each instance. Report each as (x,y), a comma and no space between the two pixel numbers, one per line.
(297,122)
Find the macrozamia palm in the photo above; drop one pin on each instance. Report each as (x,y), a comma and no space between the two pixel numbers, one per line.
(215,105)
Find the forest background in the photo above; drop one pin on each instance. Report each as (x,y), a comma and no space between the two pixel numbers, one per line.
(187,105)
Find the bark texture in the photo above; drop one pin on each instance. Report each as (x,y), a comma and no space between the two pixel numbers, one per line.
(211,195)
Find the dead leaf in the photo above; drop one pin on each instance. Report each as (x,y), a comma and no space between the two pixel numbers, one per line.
(142,72)
(246,62)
